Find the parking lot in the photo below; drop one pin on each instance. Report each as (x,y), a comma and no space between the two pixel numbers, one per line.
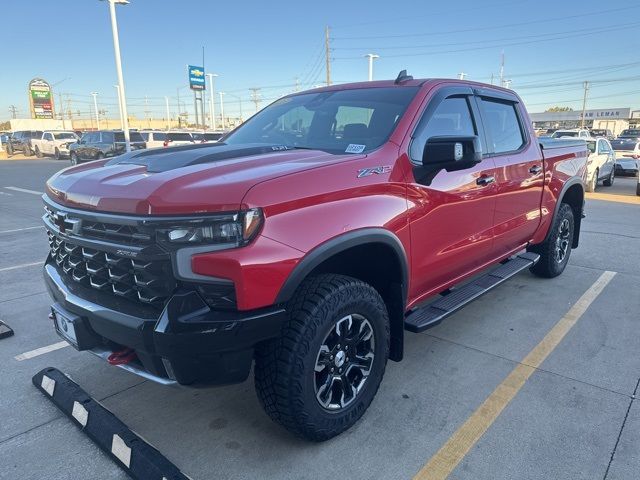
(574,417)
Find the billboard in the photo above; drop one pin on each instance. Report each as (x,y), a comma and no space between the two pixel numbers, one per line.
(40,99)
(196,78)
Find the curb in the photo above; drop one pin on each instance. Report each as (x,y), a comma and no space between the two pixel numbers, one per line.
(135,456)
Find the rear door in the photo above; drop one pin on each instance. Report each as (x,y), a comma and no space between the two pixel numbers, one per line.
(47,145)
(519,166)
(606,157)
(451,213)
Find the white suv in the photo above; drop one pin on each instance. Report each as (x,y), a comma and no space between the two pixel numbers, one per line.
(600,164)
(573,133)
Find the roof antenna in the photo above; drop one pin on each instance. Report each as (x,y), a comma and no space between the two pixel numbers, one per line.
(402,77)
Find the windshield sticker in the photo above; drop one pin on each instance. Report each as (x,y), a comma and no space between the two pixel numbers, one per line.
(355,148)
(278,148)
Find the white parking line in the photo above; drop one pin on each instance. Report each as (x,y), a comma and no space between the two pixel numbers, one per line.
(41,351)
(15,267)
(21,229)
(24,190)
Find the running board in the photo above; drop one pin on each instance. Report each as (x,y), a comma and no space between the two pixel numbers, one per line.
(432,314)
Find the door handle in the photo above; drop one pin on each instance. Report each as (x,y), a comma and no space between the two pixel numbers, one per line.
(485,180)
(536,169)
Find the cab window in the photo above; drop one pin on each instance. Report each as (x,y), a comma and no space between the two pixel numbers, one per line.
(502,124)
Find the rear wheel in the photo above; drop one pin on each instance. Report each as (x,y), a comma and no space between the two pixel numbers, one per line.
(555,250)
(609,180)
(319,377)
(9,149)
(38,152)
(26,151)
(74,158)
(56,154)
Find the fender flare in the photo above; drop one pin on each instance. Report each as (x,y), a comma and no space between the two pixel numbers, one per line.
(338,244)
(568,184)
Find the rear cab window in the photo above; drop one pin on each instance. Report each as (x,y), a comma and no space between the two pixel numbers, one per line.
(179,137)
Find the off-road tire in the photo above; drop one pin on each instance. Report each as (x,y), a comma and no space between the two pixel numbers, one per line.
(284,368)
(38,152)
(609,180)
(549,265)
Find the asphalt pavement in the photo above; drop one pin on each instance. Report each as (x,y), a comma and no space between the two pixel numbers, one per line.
(573,417)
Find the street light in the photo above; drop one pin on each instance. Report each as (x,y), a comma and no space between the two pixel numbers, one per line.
(117,87)
(371,56)
(222,108)
(95,107)
(212,106)
(60,107)
(116,51)
(239,102)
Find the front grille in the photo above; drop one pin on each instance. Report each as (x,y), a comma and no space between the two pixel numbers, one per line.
(149,282)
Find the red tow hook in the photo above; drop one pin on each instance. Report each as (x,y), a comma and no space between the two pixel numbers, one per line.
(122,357)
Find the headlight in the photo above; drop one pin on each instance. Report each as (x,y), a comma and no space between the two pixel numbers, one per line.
(229,230)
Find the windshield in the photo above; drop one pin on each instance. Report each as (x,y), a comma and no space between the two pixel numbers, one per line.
(133,137)
(180,137)
(351,121)
(630,133)
(623,145)
(564,133)
(65,136)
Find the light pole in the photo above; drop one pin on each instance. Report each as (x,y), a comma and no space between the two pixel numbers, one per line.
(116,51)
(212,106)
(95,108)
(371,56)
(117,87)
(239,103)
(166,101)
(221,108)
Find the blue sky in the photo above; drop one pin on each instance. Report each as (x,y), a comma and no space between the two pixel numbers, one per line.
(549,48)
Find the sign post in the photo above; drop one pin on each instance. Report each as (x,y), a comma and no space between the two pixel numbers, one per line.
(197,84)
(40,99)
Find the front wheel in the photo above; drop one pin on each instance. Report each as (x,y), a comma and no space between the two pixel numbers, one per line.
(320,376)
(38,152)
(555,250)
(609,180)
(74,158)
(26,151)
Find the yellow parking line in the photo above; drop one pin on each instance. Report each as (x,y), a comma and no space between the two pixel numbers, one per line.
(458,445)
(609,197)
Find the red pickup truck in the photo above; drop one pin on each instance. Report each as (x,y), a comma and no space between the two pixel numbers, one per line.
(309,239)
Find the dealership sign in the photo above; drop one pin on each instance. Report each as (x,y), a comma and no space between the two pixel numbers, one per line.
(607,113)
(40,99)
(196,78)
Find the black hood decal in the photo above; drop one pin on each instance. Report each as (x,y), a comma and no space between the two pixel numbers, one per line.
(164,159)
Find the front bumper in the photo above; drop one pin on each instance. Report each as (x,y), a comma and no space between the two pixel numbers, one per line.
(187,343)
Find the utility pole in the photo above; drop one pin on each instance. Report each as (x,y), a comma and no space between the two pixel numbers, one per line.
(61,110)
(297,79)
(13,110)
(255,96)
(166,102)
(195,107)
(222,109)
(502,69)
(371,56)
(461,75)
(584,103)
(492,79)
(95,108)
(327,54)
(146,110)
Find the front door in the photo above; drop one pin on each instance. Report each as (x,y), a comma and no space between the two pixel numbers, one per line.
(450,213)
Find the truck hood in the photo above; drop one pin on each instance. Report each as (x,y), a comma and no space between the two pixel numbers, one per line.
(180,180)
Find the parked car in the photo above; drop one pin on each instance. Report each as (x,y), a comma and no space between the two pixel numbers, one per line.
(54,143)
(103,143)
(627,156)
(20,142)
(154,139)
(324,227)
(602,132)
(178,138)
(630,133)
(207,137)
(572,133)
(600,163)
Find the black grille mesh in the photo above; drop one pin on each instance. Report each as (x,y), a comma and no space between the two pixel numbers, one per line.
(137,280)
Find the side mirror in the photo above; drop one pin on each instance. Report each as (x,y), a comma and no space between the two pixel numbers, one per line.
(452,153)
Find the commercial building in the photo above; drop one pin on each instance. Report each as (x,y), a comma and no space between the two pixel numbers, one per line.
(614,119)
